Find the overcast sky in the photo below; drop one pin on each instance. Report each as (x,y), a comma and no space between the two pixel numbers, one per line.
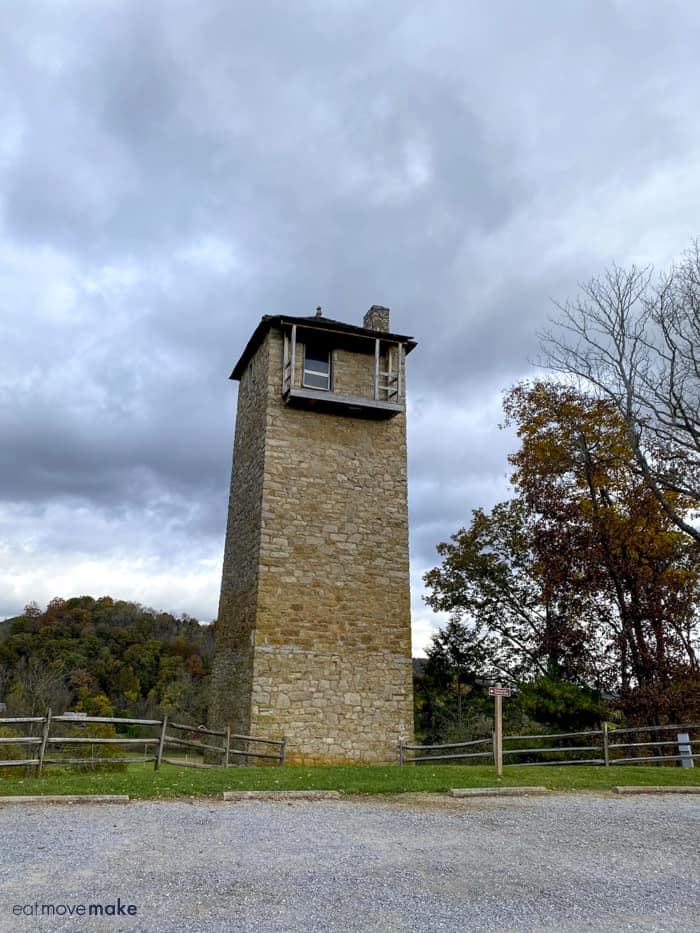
(172,170)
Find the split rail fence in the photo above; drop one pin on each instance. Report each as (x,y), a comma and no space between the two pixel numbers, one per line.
(604,746)
(38,745)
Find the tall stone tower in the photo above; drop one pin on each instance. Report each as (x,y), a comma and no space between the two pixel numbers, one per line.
(313,635)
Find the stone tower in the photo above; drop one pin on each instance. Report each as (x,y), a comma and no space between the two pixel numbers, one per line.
(313,635)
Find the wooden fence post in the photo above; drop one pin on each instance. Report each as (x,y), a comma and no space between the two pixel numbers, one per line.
(227,739)
(161,743)
(283,749)
(498,734)
(44,740)
(400,751)
(606,747)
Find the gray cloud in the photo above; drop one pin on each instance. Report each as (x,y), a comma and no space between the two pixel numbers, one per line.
(169,172)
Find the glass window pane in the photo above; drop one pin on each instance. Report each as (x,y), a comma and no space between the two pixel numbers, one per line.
(317,361)
(317,368)
(316,380)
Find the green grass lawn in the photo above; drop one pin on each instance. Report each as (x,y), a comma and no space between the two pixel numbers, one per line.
(141,781)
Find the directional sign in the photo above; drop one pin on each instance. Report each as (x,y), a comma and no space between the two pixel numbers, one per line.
(499,691)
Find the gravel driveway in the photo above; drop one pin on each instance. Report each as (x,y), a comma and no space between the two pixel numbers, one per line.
(564,863)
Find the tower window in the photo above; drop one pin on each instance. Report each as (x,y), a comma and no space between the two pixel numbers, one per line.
(317,368)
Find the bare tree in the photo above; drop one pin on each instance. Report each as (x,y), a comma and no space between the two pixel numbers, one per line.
(636,339)
(5,679)
(41,686)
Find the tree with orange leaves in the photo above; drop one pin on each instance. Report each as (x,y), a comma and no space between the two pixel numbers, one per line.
(582,575)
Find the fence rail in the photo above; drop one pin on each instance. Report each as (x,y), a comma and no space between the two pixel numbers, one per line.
(417,748)
(158,743)
(606,748)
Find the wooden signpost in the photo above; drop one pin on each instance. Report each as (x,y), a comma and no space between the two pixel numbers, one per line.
(498,692)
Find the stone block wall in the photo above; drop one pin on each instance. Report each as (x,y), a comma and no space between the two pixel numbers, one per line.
(233,662)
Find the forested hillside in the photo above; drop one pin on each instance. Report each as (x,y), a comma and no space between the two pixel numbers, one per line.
(104,657)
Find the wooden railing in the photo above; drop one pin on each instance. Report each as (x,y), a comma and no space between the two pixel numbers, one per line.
(439,748)
(597,747)
(43,742)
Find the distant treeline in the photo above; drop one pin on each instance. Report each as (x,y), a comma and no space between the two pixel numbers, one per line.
(105,657)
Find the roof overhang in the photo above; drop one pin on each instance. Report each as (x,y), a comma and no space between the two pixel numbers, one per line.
(348,334)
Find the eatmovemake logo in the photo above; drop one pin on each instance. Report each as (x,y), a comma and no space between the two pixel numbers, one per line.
(106,909)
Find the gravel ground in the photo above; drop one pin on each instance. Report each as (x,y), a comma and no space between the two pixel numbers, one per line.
(566,863)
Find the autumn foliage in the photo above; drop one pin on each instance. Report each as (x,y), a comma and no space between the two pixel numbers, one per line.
(581,577)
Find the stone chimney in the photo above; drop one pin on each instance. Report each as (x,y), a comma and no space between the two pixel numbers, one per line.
(377,318)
